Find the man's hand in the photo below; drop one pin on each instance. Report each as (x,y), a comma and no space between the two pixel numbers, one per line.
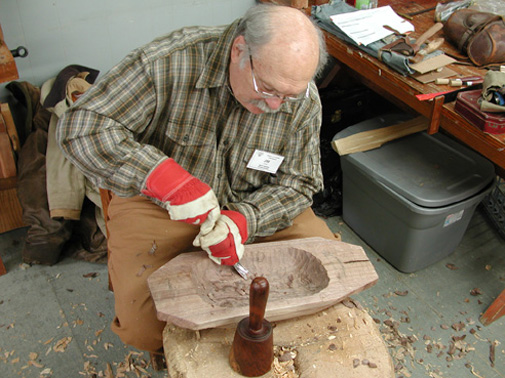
(225,242)
(186,198)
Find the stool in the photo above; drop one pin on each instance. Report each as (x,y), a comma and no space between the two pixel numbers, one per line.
(341,341)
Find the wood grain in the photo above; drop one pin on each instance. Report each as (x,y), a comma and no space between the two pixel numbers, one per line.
(305,276)
(7,162)
(11,212)
(368,140)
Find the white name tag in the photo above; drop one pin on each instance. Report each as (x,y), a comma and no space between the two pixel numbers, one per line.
(265,161)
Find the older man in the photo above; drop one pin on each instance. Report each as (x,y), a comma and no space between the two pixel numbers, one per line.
(208,137)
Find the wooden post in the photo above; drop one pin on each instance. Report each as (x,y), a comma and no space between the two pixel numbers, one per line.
(495,310)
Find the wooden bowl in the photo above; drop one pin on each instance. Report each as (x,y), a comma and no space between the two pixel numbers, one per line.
(305,276)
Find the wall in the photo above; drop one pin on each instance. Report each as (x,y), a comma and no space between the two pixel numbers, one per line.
(97,33)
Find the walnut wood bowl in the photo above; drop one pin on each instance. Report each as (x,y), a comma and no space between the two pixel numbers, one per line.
(305,276)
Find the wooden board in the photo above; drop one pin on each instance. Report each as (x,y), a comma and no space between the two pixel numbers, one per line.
(11,212)
(7,162)
(305,276)
(369,140)
(340,342)
(10,127)
(8,69)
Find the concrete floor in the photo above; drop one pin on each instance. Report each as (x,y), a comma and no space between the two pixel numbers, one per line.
(54,321)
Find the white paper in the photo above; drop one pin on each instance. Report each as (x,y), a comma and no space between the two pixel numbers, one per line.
(366,26)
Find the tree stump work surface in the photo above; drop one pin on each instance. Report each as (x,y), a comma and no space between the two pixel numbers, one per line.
(342,341)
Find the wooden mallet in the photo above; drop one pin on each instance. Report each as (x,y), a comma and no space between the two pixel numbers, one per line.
(252,352)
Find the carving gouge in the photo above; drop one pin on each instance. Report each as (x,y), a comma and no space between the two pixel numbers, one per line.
(244,273)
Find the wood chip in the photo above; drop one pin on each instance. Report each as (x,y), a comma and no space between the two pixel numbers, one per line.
(458,326)
(61,345)
(142,269)
(475,291)
(492,353)
(48,341)
(451,266)
(401,293)
(108,371)
(153,248)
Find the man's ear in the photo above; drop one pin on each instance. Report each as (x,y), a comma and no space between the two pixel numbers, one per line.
(238,48)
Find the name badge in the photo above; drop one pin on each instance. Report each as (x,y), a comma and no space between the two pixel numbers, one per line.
(265,161)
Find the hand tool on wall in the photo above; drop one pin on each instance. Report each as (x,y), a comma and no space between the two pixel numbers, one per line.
(252,351)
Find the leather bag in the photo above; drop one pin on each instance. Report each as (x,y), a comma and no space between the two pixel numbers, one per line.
(479,35)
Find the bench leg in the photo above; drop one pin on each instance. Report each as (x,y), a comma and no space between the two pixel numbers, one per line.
(495,310)
(2,267)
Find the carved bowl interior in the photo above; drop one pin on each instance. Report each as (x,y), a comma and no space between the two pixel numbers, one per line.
(291,273)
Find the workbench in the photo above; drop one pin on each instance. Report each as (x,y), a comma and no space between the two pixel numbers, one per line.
(402,90)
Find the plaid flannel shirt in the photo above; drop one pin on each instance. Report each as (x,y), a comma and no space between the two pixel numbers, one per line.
(170,98)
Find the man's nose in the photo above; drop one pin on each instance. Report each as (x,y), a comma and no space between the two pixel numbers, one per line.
(274,103)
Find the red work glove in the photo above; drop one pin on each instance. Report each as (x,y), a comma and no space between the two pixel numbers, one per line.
(225,243)
(186,198)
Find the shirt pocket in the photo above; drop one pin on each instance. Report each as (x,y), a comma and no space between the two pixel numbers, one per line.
(191,146)
(250,179)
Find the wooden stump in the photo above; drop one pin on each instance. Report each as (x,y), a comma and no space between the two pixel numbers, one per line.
(341,341)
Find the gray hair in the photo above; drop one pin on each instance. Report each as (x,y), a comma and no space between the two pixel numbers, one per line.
(258,25)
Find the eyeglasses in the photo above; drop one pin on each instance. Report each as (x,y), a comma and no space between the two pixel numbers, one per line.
(263,94)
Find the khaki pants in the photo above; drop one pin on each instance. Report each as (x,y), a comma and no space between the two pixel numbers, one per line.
(142,239)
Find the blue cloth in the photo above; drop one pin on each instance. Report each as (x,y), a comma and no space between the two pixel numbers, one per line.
(322,13)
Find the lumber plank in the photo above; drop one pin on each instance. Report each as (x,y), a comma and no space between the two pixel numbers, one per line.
(368,140)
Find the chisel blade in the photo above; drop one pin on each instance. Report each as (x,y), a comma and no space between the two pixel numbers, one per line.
(244,273)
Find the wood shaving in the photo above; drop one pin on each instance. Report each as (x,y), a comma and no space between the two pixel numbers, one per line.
(458,326)
(61,345)
(401,293)
(142,269)
(283,365)
(492,348)
(476,291)
(108,371)
(153,248)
